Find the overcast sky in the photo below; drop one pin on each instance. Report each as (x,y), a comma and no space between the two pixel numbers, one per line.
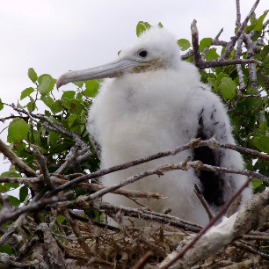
(54,36)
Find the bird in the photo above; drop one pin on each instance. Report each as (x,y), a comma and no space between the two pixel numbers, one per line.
(152,101)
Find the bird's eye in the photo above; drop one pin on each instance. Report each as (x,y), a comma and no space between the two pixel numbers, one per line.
(143,53)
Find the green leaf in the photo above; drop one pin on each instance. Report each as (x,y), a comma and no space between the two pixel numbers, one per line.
(227,88)
(26,92)
(184,44)
(78,83)
(1,104)
(44,85)
(261,142)
(61,219)
(253,18)
(91,88)
(17,130)
(72,119)
(68,94)
(47,85)
(265,51)
(259,23)
(211,81)
(14,201)
(142,27)
(47,100)
(205,42)
(219,78)
(12,185)
(35,137)
(249,105)
(56,107)
(256,182)
(211,54)
(32,74)
(6,248)
(23,193)
(160,25)
(53,139)
(75,107)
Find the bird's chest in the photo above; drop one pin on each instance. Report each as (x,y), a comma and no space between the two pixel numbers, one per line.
(146,120)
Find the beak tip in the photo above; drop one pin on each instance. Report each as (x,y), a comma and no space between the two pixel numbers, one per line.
(58,84)
(60,81)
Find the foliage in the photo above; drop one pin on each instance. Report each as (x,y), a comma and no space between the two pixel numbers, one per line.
(246,101)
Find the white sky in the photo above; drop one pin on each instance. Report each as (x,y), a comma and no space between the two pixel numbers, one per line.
(56,36)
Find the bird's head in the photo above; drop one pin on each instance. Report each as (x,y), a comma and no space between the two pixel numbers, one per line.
(155,48)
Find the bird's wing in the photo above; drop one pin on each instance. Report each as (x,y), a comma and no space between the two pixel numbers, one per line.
(213,120)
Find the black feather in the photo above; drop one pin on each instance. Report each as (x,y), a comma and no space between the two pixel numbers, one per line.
(212,183)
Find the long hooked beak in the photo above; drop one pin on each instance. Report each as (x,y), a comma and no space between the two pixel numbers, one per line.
(110,70)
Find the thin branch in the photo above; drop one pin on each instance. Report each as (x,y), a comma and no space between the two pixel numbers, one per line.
(212,142)
(43,166)
(74,156)
(238,14)
(251,250)
(195,43)
(148,215)
(203,201)
(204,230)
(219,62)
(231,44)
(142,261)
(10,261)
(53,126)
(15,160)
(80,238)
(6,214)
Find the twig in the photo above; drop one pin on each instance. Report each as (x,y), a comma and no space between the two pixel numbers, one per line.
(53,126)
(23,167)
(204,230)
(219,62)
(7,214)
(147,215)
(231,44)
(238,14)
(251,250)
(80,238)
(74,156)
(203,201)
(43,166)
(142,261)
(212,142)
(195,43)
(11,263)
(158,250)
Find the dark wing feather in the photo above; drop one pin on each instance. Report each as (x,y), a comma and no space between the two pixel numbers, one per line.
(212,183)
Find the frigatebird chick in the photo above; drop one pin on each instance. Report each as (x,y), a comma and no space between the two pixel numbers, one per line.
(151,102)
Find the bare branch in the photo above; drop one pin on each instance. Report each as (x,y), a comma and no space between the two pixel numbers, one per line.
(231,44)
(43,166)
(191,256)
(194,143)
(149,215)
(76,231)
(219,62)
(195,43)
(15,160)
(238,14)
(6,214)
(203,201)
